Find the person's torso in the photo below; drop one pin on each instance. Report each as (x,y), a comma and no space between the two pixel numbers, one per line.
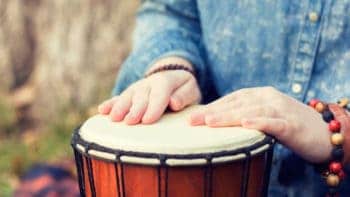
(300,47)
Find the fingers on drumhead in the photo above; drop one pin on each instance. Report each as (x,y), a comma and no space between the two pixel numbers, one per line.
(157,102)
(121,107)
(198,117)
(106,106)
(221,119)
(139,106)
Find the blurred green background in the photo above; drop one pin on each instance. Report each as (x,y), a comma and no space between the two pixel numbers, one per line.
(58,60)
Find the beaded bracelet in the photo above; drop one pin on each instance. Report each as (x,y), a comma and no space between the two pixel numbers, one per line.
(171,67)
(344,103)
(334,172)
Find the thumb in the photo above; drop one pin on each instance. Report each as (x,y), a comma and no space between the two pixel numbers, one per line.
(185,95)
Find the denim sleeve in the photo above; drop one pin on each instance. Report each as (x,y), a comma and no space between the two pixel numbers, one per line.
(163,28)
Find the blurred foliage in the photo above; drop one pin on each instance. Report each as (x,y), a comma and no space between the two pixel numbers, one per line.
(58,59)
(7,117)
(20,151)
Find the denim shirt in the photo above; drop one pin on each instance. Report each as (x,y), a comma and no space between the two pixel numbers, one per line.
(302,48)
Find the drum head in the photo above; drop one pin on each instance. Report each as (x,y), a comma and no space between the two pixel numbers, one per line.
(171,135)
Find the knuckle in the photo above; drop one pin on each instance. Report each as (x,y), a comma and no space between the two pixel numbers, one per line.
(266,111)
(138,103)
(261,111)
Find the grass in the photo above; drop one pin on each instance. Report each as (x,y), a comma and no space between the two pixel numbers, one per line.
(7,117)
(19,151)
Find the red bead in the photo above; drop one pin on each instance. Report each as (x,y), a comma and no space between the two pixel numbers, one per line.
(334,126)
(313,102)
(341,175)
(335,167)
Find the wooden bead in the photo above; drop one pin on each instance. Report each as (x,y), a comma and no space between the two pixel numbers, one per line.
(335,167)
(313,102)
(343,102)
(338,153)
(332,180)
(337,139)
(320,107)
(334,126)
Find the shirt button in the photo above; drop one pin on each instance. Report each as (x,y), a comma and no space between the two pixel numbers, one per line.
(313,17)
(296,88)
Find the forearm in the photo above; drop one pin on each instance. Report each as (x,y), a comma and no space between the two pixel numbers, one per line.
(166,31)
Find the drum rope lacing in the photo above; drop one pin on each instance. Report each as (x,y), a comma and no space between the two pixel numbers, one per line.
(245,174)
(77,140)
(163,166)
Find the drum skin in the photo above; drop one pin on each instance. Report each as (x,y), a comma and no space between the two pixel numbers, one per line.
(134,180)
(119,160)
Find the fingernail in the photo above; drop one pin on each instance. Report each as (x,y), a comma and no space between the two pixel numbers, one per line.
(103,111)
(176,104)
(196,119)
(130,120)
(114,118)
(146,120)
(117,117)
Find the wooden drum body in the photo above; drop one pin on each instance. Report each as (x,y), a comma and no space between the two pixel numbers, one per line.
(170,159)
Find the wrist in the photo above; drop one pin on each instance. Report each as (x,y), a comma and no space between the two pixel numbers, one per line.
(339,125)
(169,60)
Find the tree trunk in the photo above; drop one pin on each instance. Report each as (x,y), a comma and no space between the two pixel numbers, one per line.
(61,54)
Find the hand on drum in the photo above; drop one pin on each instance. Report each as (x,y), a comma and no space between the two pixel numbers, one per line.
(293,123)
(147,99)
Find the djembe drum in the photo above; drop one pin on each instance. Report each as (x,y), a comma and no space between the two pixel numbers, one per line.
(170,158)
